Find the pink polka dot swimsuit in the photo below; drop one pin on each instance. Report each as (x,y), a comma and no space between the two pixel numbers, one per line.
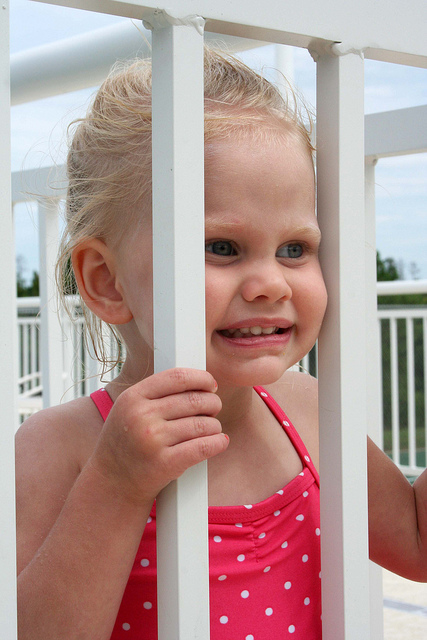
(264,561)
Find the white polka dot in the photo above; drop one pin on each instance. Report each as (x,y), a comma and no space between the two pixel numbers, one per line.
(241,557)
(217,539)
(223,577)
(317,531)
(304,558)
(267,569)
(307,458)
(238,524)
(291,628)
(126,626)
(277,513)
(147,605)
(249,637)
(287,585)
(145,562)
(320,574)
(280,492)
(302,473)
(300,517)
(284,544)
(223,619)
(305,494)
(247,506)
(245,594)
(306,601)
(285,423)
(264,395)
(261,535)
(150,519)
(269,611)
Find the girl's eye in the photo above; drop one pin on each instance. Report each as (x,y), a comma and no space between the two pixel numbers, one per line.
(290,251)
(220,248)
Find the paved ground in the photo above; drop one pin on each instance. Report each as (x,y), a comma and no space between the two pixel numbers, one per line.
(405,608)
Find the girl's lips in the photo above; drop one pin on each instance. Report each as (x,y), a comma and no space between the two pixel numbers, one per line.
(248,340)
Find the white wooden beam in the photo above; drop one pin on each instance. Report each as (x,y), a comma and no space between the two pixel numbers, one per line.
(84,61)
(395,133)
(52,364)
(384,30)
(8,342)
(373,375)
(179,307)
(43,182)
(342,347)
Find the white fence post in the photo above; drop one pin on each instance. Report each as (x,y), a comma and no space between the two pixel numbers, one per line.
(179,307)
(50,331)
(342,347)
(373,375)
(7,344)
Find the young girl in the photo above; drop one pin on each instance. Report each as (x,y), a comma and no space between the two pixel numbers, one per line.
(88,472)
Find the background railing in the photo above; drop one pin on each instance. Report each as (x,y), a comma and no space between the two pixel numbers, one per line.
(403,340)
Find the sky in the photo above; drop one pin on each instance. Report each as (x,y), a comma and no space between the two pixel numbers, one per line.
(39,132)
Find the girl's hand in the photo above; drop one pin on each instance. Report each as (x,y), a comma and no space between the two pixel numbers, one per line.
(156,430)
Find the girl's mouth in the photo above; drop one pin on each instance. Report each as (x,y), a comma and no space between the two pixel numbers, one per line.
(249,332)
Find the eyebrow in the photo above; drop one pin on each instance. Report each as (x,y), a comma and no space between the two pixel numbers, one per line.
(220,226)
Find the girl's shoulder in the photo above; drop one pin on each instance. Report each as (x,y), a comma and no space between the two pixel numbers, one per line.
(70,429)
(52,446)
(297,394)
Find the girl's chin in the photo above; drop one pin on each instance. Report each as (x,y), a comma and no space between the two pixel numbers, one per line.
(248,376)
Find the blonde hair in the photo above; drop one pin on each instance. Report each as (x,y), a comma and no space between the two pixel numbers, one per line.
(109,160)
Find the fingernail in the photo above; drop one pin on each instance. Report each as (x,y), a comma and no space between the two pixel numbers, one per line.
(226,436)
(215,385)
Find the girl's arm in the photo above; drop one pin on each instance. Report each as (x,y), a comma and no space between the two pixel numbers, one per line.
(397,510)
(76,537)
(78,532)
(397,517)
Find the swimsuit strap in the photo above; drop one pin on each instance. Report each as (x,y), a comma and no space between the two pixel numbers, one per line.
(103,402)
(290,430)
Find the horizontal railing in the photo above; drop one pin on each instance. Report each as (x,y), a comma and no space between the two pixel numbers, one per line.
(403,345)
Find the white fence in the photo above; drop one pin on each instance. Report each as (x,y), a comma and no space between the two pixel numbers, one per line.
(403,340)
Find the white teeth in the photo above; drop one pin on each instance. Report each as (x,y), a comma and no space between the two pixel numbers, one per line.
(256,331)
(246,331)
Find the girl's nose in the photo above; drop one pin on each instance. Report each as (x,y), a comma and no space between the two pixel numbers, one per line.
(268,282)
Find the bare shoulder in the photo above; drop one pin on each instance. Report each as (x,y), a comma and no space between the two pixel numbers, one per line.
(51,446)
(297,394)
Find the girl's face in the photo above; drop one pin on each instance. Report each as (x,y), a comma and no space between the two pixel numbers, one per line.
(265,295)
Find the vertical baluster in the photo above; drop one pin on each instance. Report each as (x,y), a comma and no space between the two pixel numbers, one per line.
(412,446)
(395,401)
(342,346)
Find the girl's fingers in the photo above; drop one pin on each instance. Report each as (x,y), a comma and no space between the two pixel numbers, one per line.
(189,403)
(175,381)
(187,454)
(184,429)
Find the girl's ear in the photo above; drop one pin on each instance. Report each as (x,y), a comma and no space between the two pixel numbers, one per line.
(95,269)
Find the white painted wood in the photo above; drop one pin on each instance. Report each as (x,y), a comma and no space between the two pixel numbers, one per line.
(411,390)
(373,376)
(43,182)
(50,331)
(394,368)
(384,30)
(342,347)
(8,344)
(397,287)
(84,61)
(398,132)
(179,309)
